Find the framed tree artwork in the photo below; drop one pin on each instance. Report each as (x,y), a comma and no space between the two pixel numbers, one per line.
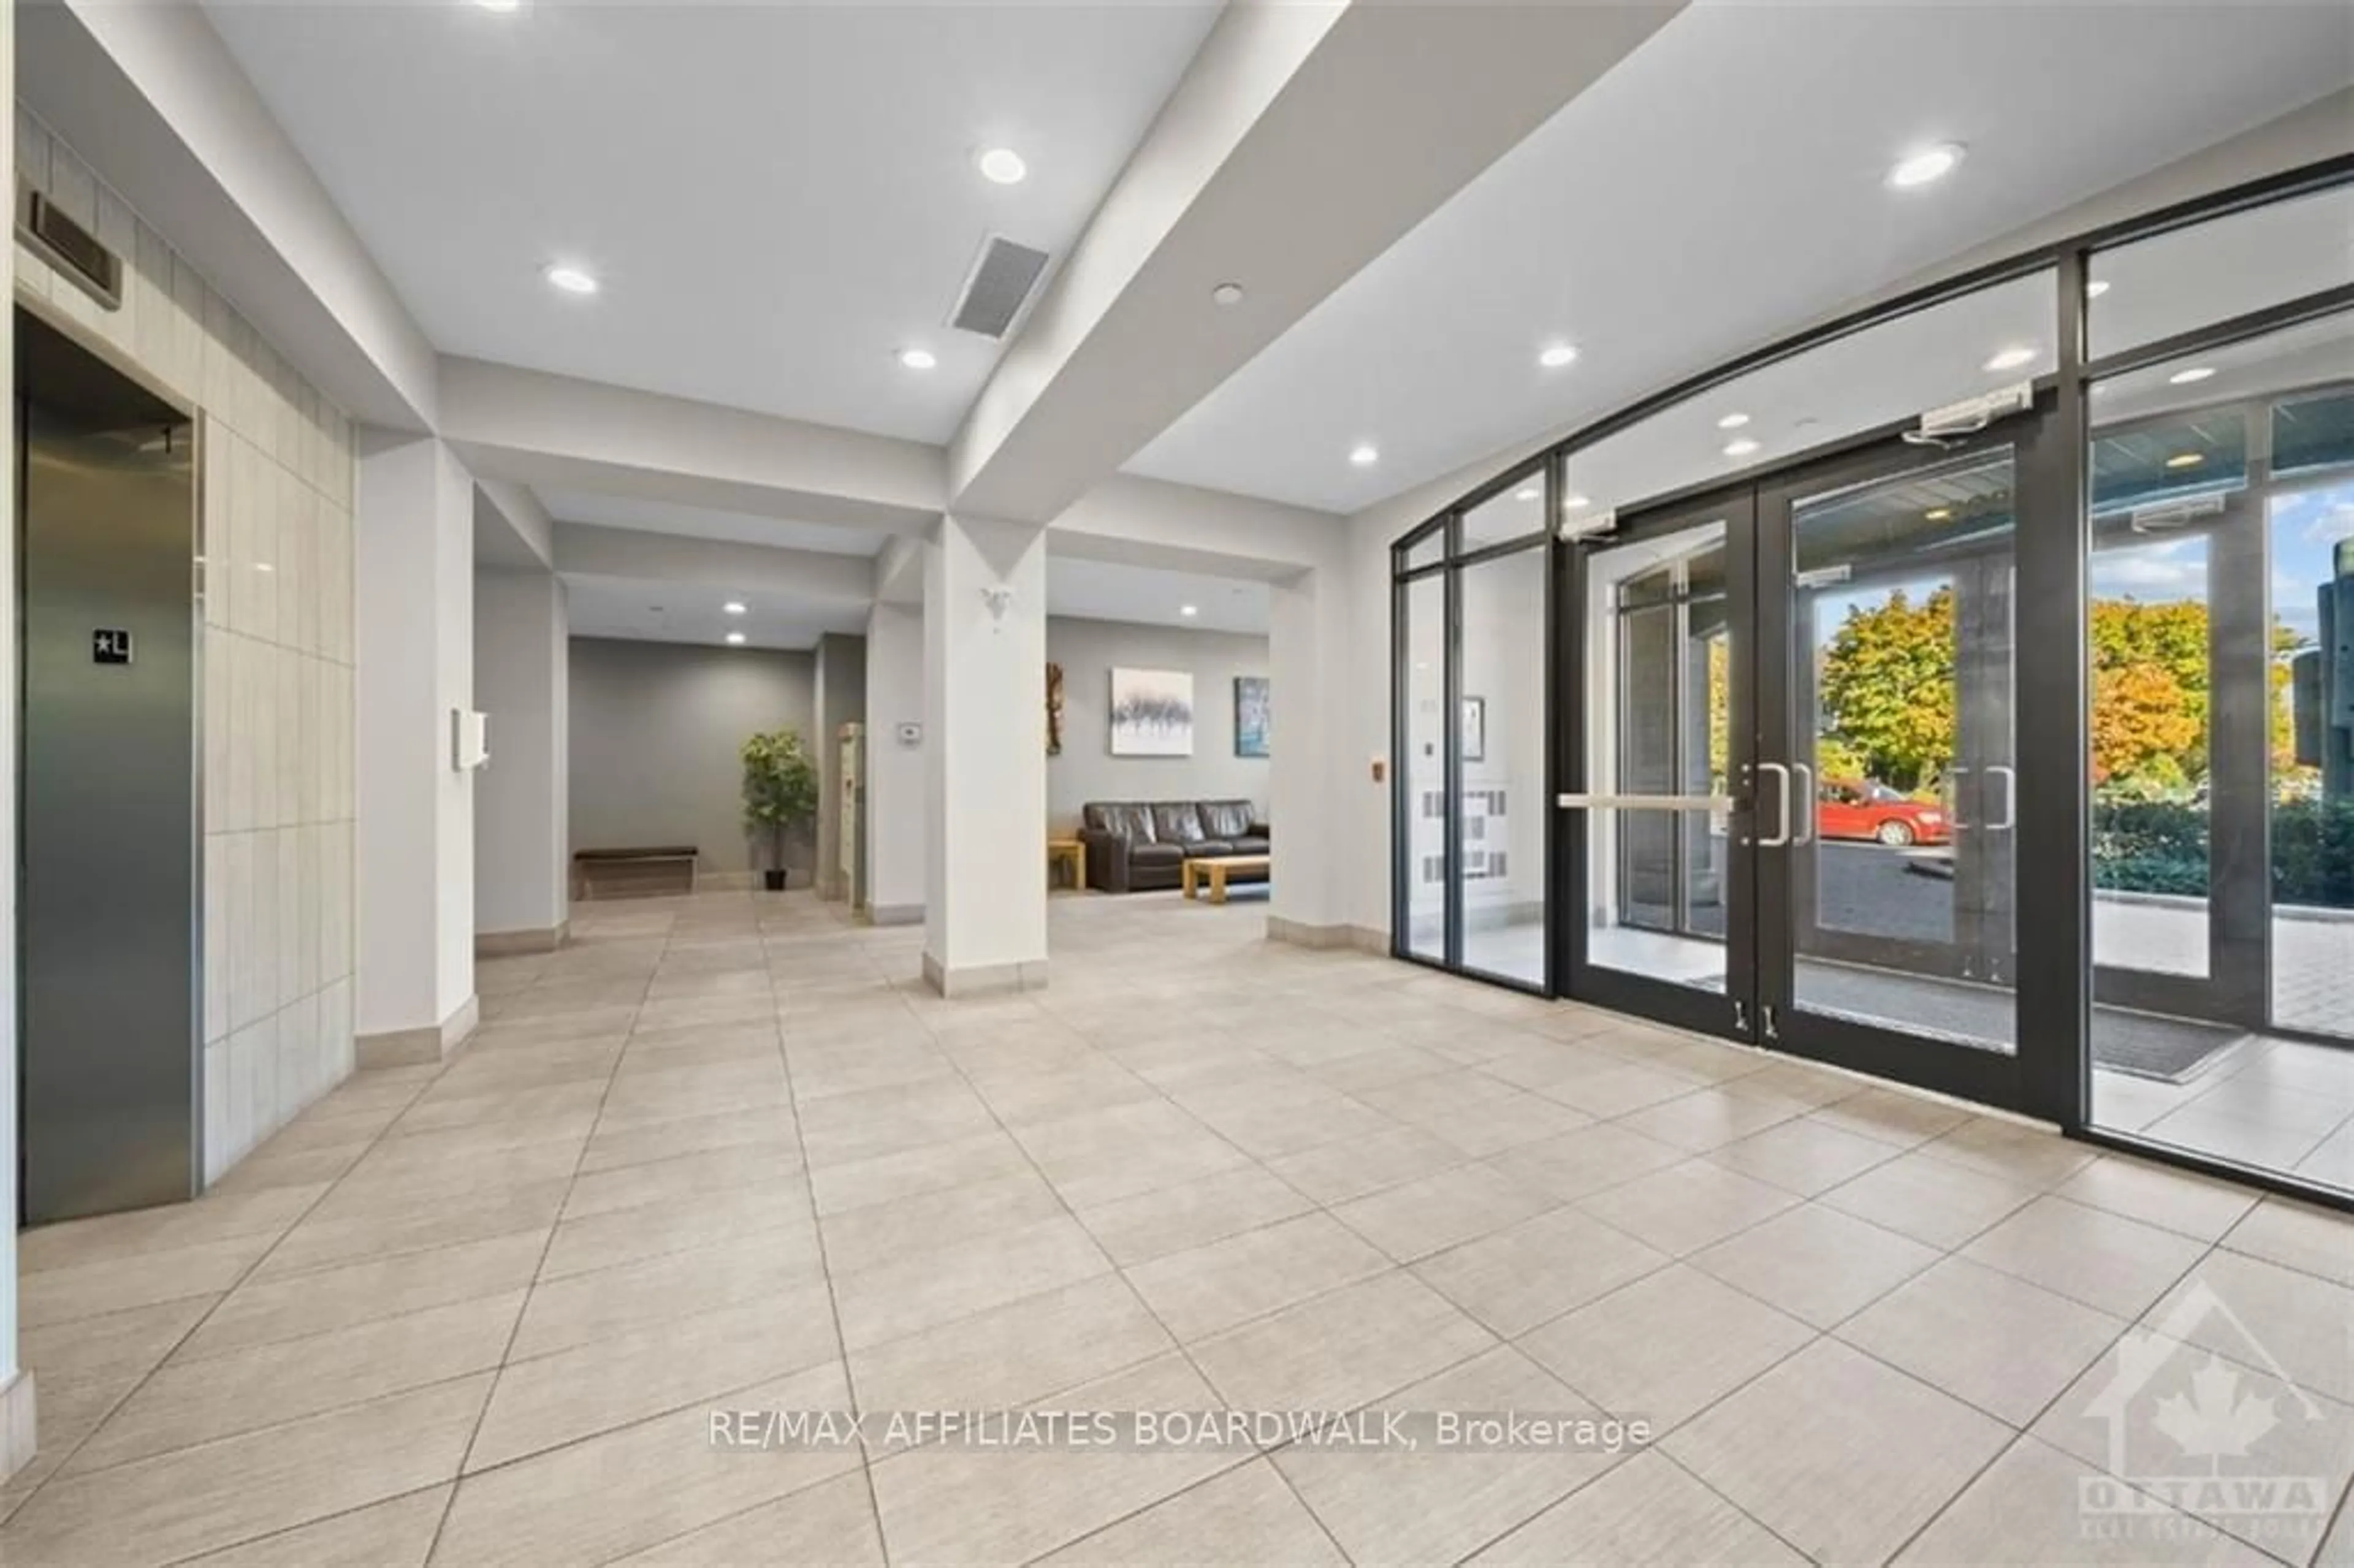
(1252,716)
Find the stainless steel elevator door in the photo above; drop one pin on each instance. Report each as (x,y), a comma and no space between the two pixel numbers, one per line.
(108,892)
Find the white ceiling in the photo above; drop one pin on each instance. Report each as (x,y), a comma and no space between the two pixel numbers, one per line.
(704,523)
(777,198)
(1107,590)
(686,612)
(1722,186)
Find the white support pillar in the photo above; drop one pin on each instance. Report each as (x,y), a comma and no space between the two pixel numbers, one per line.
(522,807)
(1308,675)
(985,741)
(896,818)
(414,588)
(841,699)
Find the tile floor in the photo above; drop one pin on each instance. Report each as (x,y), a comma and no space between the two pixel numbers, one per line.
(723,1153)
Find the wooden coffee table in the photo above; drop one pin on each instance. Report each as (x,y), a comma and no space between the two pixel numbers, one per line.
(1216,869)
(1071,853)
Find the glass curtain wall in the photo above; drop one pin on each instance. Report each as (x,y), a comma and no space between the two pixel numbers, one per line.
(1473,731)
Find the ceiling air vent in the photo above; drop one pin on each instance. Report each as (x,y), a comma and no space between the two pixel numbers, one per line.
(66,245)
(1001,281)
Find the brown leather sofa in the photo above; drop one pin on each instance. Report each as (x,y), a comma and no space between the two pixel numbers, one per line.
(1135,846)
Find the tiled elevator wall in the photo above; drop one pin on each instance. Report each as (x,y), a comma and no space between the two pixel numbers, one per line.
(275,460)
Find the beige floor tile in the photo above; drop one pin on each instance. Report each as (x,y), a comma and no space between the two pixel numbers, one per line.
(2302,1237)
(585,1307)
(266,1311)
(64,1418)
(110,1346)
(1495,1126)
(1588,1161)
(1337,1350)
(1840,1457)
(685,1176)
(2014,1152)
(763,1126)
(1211,1288)
(1101,1157)
(1271,1131)
(1356,1167)
(2305,1325)
(616,1237)
(949,1503)
(1686,1207)
(2104,1260)
(1616,1090)
(637,1487)
(199,1500)
(129,1236)
(1931,1201)
(831,1522)
(2162,1196)
(1646,1513)
(1710,1119)
(2029,1508)
(925,1289)
(1997,1342)
(72,1292)
(1665,1347)
(1816,1264)
(1192,1214)
(443,1109)
(690,1359)
(1538,1270)
(187,1403)
(1803,1156)
(1241,1517)
(841,1188)
(872,1236)
(395,1534)
(328,1242)
(844,1129)
(1013,1355)
(1891,1117)
(1391,1505)
(1437,1211)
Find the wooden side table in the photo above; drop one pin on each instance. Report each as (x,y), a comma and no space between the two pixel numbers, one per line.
(1068,853)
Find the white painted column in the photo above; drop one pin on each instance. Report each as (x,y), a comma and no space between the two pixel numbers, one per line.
(841,699)
(522,830)
(17,1425)
(985,743)
(896,818)
(414,590)
(1308,676)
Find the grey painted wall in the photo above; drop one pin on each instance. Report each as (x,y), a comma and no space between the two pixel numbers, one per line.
(1086,770)
(655,727)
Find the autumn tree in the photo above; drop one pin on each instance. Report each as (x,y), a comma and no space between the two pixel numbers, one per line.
(1887,684)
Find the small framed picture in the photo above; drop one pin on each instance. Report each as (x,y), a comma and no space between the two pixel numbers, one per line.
(1475,729)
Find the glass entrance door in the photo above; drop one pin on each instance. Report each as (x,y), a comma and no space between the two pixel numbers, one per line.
(1794,783)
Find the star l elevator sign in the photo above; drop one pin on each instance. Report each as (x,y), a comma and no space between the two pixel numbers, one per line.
(109,645)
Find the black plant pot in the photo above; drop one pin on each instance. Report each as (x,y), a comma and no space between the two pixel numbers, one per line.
(774,881)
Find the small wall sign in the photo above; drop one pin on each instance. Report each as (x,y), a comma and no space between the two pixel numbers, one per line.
(109,645)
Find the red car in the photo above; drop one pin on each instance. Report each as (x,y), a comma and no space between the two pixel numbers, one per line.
(1859,808)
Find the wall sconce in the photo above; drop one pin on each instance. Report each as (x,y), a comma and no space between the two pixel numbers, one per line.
(997,597)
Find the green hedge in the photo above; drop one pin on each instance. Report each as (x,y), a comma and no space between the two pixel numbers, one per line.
(2161,846)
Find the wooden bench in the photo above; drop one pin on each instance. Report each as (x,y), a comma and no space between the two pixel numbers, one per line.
(641,872)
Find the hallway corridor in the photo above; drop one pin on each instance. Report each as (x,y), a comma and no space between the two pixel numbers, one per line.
(725,1153)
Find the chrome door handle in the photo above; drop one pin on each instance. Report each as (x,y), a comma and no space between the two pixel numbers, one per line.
(2010,777)
(1805,794)
(1782,815)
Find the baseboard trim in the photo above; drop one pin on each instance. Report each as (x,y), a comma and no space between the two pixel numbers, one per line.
(983,980)
(516,943)
(419,1047)
(894,914)
(18,1426)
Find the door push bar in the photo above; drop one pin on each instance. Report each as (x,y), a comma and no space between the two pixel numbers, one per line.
(1577,802)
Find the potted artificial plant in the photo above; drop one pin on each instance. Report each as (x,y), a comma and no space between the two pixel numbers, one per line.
(779,794)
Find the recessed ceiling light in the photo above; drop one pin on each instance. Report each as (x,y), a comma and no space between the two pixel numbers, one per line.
(571,280)
(736,639)
(2011,358)
(1938,513)
(1002,165)
(1527,493)
(1741,446)
(1227,294)
(1189,609)
(1733,422)
(499,4)
(2196,372)
(1557,355)
(1926,167)
(2185,459)
(733,606)
(1575,503)
(1364,454)
(918,358)
(2096,288)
